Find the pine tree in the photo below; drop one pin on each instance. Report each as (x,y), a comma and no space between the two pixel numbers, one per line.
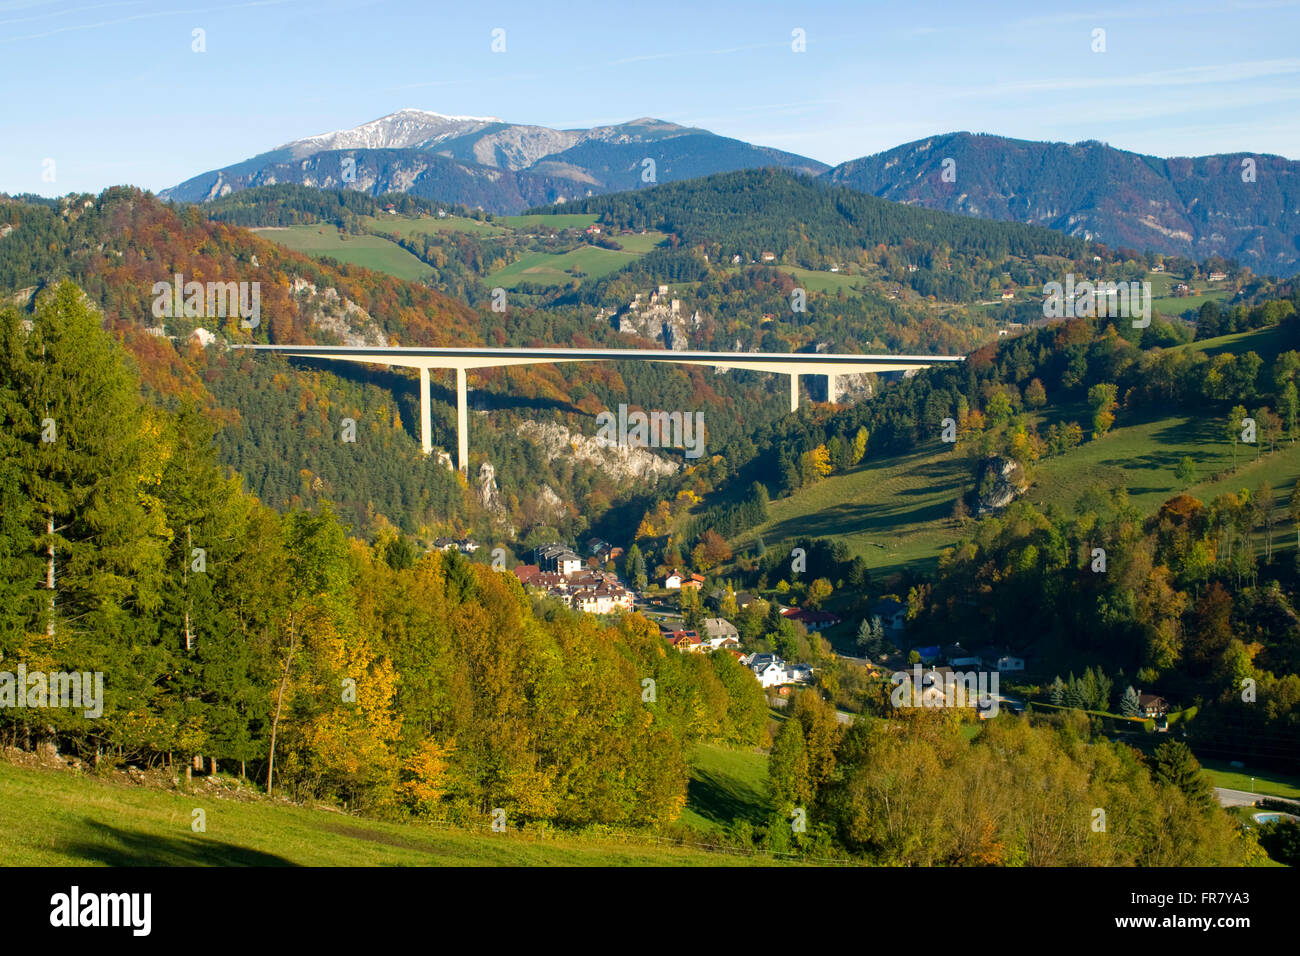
(1057,692)
(1104,687)
(1128,705)
(1087,690)
(1174,764)
(90,463)
(634,568)
(1073,693)
(864,639)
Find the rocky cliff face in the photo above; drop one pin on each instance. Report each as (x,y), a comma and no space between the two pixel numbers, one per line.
(338,315)
(659,317)
(618,462)
(489,496)
(1002,480)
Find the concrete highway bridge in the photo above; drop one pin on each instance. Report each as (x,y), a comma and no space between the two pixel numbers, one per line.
(463,360)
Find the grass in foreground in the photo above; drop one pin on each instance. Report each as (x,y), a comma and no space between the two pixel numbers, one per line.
(60,818)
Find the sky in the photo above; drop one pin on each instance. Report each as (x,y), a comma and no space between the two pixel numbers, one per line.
(107,92)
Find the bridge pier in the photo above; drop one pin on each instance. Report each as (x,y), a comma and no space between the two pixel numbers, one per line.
(794,391)
(462,423)
(462,417)
(426,412)
(832,381)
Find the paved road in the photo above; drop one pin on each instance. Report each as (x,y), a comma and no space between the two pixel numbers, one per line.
(1237,798)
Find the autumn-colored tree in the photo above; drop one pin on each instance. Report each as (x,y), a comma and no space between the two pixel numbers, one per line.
(1035,394)
(1101,398)
(818,591)
(716,550)
(815,465)
(859,448)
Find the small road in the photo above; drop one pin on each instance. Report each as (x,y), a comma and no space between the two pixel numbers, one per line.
(1240,798)
(1235,798)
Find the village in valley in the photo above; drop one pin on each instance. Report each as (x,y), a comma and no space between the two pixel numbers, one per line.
(693,622)
(696,615)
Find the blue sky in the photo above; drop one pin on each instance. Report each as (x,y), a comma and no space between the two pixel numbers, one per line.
(112,92)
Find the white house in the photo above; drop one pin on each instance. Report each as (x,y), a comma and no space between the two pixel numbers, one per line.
(673,581)
(558,558)
(958,656)
(720,633)
(769,669)
(1000,659)
(771,674)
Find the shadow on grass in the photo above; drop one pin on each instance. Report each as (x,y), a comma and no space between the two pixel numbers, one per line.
(722,799)
(859,519)
(133,848)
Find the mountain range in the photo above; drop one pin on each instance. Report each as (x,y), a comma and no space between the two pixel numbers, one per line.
(483,161)
(1235,205)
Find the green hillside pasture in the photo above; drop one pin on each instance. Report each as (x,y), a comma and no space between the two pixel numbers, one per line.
(1267,783)
(816,280)
(639,243)
(1142,457)
(60,818)
(370,252)
(897,512)
(556,269)
(1180,305)
(428,225)
(1266,343)
(580,220)
(727,785)
(892,512)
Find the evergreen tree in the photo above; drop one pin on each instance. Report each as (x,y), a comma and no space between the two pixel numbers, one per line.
(90,463)
(1087,690)
(865,636)
(1174,764)
(1104,685)
(634,568)
(1128,705)
(1057,692)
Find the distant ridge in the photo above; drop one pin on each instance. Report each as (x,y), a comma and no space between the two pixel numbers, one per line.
(1237,205)
(484,161)
(1198,207)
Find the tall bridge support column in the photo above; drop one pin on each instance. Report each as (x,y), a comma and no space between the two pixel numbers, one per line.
(794,391)
(832,383)
(462,424)
(426,412)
